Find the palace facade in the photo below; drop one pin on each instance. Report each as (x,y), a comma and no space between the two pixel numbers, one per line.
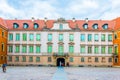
(51,42)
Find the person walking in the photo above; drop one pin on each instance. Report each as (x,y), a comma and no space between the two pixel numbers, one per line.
(4,67)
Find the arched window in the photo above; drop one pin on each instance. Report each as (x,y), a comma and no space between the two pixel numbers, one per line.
(85,26)
(61,26)
(105,26)
(15,25)
(25,25)
(95,26)
(36,25)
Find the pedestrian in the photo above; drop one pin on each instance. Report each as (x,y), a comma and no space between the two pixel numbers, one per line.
(67,64)
(4,67)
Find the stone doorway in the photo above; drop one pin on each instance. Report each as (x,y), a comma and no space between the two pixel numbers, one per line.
(60,62)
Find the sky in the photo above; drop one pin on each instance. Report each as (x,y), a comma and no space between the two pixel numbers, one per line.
(54,9)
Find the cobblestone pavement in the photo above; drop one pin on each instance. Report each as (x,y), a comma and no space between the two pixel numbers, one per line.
(72,73)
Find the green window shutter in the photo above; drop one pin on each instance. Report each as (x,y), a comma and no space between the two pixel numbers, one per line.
(110,49)
(82,38)
(60,50)
(38,37)
(17,37)
(103,49)
(24,37)
(71,49)
(31,50)
(89,49)
(82,49)
(89,37)
(110,37)
(60,37)
(103,37)
(31,37)
(38,49)
(10,37)
(49,37)
(24,59)
(71,37)
(10,49)
(96,50)
(17,49)
(96,38)
(24,49)
(49,49)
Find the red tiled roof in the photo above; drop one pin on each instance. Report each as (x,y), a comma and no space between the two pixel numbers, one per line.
(50,23)
(2,23)
(116,23)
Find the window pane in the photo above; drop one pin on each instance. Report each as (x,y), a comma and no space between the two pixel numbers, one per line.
(60,37)
(24,49)
(89,49)
(49,59)
(38,37)
(71,37)
(31,37)
(96,59)
(49,48)
(24,37)
(82,59)
(103,49)
(110,49)
(116,50)
(38,49)
(31,50)
(71,59)
(10,37)
(82,37)
(96,38)
(96,50)
(103,37)
(82,49)
(17,58)
(17,50)
(89,37)
(110,37)
(37,59)
(10,49)
(60,50)
(61,27)
(17,37)
(30,59)
(71,49)
(49,37)
(23,58)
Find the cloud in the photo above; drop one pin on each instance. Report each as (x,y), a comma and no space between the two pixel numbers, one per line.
(53,9)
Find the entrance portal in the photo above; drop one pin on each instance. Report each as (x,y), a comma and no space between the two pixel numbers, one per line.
(60,62)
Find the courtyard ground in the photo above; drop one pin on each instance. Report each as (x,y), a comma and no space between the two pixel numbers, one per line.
(55,73)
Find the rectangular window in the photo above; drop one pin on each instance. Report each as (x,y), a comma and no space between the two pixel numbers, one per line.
(61,49)
(96,49)
(2,33)
(17,49)
(103,59)
(103,37)
(49,49)
(49,37)
(37,59)
(38,49)
(96,59)
(30,59)
(71,49)
(49,59)
(10,49)
(10,37)
(31,37)
(82,59)
(116,50)
(89,59)
(71,37)
(110,50)
(89,49)
(82,49)
(82,38)
(103,49)
(24,49)
(31,49)
(9,58)
(110,37)
(71,59)
(17,37)
(109,59)
(89,37)
(3,47)
(23,58)
(61,26)
(96,38)
(60,37)
(24,36)
(17,58)
(38,37)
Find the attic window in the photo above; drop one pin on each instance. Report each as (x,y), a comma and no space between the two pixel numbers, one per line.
(36,25)
(85,26)
(25,25)
(61,26)
(105,26)
(15,25)
(95,26)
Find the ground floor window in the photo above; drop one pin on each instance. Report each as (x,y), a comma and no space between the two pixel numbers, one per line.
(82,59)
(17,58)
(9,58)
(24,58)
(109,59)
(37,59)
(96,59)
(103,59)
(30,59)
(49,59)
(71,59)
(89,59)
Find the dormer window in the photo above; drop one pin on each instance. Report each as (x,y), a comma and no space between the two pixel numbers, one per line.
(85,26)
(105,26)
(95,26)
(36,25)
(25,25)
(15,25)
(61,26)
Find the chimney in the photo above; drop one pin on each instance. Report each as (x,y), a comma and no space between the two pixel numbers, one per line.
(45,19)
(33,19)
(86,20)
(73,19)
